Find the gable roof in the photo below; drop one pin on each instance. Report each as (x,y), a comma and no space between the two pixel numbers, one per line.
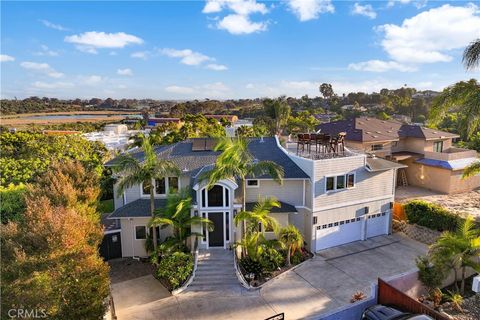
(191,162)
(139,208)
(366,129)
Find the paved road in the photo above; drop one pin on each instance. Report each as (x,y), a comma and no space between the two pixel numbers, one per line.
(322,284)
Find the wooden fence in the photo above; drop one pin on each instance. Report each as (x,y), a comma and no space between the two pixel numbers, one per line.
(389,295)
(399,212)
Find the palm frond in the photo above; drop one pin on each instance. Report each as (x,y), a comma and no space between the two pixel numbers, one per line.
(267,168)
(161,222)
(471,55)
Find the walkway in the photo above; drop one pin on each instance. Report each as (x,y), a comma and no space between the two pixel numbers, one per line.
(322,284)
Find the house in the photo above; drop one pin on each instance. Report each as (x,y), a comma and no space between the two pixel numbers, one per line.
(331,200)
(431,159)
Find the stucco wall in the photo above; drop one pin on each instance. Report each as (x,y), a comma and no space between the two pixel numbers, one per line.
(132,247)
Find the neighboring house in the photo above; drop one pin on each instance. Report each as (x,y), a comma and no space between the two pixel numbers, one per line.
(432,162)
(332,201)
(115,137)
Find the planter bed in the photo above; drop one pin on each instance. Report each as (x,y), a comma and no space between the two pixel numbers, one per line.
(170,282)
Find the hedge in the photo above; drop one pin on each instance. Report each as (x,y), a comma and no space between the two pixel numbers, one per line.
(175,269)
(431,215)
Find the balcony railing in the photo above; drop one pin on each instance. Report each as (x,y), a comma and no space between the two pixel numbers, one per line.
(451,154)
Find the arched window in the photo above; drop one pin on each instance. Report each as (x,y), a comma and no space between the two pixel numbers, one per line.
(217,196)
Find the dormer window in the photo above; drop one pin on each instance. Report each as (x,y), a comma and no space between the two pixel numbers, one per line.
(438,146)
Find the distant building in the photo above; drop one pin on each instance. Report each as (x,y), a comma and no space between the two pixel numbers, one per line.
(402,118)
(351,107)
(115,137)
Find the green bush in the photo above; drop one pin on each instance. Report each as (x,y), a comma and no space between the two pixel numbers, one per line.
(299,256)
(271,259)
(431,216)
(251,266)
(175,268)
(429,274)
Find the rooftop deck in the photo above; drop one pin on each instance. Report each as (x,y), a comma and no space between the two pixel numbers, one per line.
(314,153)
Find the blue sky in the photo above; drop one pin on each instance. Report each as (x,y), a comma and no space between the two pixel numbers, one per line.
(231,48)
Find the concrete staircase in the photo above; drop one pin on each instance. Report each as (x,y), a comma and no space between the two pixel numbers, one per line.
(215,271)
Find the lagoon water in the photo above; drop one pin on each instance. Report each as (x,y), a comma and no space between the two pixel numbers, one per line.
(79,116)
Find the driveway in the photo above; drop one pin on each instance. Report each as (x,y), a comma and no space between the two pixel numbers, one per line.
(321,284)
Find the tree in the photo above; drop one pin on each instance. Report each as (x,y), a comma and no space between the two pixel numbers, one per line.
(50,258)
(471,55)
(236,161)
(472,170)
(177,215)
(464,97)
(292,238)
(12,204)
(279,111)
(459,250)
(134,172)
(260,215)
(326,90)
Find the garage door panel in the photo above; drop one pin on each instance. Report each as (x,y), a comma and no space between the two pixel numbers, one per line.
(338,235)
(376,226)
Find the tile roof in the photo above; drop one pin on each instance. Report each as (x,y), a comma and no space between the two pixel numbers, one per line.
(191,162)
(366,129)
(139,208)
(284,207)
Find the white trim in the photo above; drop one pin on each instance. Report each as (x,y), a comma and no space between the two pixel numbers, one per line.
(335,176)
(352,203)
(112,231)
(135,232)
(254,186)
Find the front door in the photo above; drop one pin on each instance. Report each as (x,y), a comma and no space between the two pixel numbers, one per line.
(215,238)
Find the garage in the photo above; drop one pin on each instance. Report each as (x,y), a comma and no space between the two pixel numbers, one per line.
(377,224)
(338,233)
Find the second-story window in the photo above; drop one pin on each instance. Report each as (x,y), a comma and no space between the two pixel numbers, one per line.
(160,187)
(376,147)
(438,146)
(146,187)
(340,182)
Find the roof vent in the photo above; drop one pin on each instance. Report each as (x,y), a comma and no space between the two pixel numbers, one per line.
(261,139)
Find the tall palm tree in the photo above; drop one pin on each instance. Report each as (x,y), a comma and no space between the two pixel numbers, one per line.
(460,249)
(464,96)
(133,172)
(471,55)
(291,237)
(236,161)
(260,215)
(177,215)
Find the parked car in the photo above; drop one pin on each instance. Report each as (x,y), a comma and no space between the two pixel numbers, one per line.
(380,312)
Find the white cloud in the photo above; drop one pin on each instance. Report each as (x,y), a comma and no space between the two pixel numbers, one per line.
(380,66)
(41,68)
(46,51)
(90,41)
(51,25)
(91,80)
(240,24)
(429,36)
(125,72)
(140,55)
(417,3)
(242,7)
(52,85)
(238,21)
(112,53)
(216,67)
(365,10)
(187,56)
(180,89)
(250,86)
(6,58)
(310,9)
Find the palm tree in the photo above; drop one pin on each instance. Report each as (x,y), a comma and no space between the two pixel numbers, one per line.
(177,215)
(472,170)
(459,250)
(260,215)
(236,161)
(464,96)
(134,172)
(250,245)
(292,238)
(471,55)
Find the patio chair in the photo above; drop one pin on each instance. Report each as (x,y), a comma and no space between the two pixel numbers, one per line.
(341,141)
(303,140)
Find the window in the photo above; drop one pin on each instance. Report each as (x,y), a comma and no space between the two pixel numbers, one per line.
(204,227)
(215,196)
(173,184)
(227,200)
(146,187)
(227,226)
(204,199)
(350,180)
(438,146)
(140,233)
(330,183)
(376,147)
(160,187)
(340,182)
(394,144)
(252,183)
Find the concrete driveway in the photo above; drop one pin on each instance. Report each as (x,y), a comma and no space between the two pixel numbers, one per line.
(320,285)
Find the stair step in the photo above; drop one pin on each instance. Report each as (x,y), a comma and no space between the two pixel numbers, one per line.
(211,272)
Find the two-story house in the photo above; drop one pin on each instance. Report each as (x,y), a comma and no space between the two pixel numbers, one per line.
(331,200)
(431,160)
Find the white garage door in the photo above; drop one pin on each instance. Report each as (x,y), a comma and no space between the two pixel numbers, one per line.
(377,224)
(338,233)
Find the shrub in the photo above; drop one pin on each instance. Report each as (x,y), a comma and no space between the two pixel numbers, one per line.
(300,256)
(251,266)
(175,268)
(429,274)
(271,259)
(431,216)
